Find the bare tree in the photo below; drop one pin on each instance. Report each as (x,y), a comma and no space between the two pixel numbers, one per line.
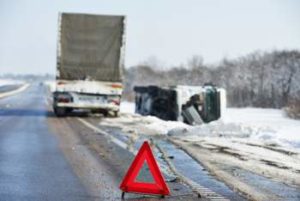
(270,79)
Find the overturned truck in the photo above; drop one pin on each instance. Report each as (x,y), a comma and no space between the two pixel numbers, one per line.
(191,104)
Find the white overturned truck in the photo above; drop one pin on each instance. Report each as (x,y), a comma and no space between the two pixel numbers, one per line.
(89,63)
(191,104)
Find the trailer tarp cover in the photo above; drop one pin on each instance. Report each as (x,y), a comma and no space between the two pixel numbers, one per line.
(90,47)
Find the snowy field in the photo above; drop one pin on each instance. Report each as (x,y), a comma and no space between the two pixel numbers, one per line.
(244,145)
(4,82)
(266,125)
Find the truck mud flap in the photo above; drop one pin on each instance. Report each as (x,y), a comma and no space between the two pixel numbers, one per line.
(192,116)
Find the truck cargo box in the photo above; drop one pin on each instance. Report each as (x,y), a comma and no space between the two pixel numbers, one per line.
(90,47)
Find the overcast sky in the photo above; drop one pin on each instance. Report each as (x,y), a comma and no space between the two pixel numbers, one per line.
(171,30)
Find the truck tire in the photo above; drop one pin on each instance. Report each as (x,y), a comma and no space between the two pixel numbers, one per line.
(60,111)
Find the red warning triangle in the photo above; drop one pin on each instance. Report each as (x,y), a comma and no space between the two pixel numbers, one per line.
(129,183)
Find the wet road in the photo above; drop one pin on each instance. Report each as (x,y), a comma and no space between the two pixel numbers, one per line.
(47,158)
(32,167)
(7,88)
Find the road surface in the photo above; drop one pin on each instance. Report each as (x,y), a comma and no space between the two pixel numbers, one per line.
(43,157)
(7,88)
(32,167)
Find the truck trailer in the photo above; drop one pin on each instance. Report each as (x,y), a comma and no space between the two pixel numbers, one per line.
(90,52)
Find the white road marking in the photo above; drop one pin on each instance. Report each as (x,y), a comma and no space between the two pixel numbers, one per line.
(20,89)
(112,138)
(196,187)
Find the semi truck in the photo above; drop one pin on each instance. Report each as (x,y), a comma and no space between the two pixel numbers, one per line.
(90,59)
(190,104)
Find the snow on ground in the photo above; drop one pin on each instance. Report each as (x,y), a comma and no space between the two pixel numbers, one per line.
(147,125)
(260,141)
(51,84)
(266,125)
(252,141)
(127,107)
(21,86)
(238,161)
(4,82)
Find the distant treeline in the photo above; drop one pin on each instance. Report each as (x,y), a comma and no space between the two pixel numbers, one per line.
(28,77)
(260,79)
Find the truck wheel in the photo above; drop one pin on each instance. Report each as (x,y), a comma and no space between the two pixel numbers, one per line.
(60,111)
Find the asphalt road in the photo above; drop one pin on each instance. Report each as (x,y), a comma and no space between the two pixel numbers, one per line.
(32,167)
(7,88)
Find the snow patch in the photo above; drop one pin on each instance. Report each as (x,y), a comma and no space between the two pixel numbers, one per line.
(145,125)
(267,125)
(51,84)
(270,126)
(127,107)
(4,82)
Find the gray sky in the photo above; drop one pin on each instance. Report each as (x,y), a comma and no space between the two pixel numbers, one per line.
(171,30)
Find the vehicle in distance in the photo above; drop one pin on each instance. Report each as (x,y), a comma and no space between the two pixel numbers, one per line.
(90,51)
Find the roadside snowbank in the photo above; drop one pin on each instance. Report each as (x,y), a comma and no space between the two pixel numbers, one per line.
(127,107)
(9,93)
(51,84)
(244,145)
(267,125)
(4,82)
(145,125)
